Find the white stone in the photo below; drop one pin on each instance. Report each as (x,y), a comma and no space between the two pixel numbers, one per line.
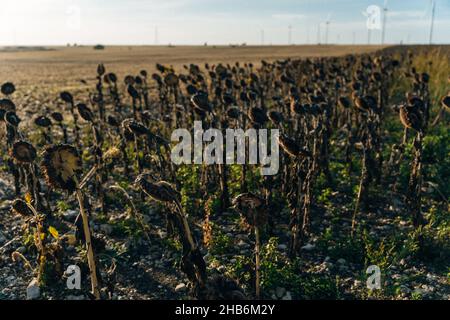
(33,290)
(308,247)
(287,296)
(180,287)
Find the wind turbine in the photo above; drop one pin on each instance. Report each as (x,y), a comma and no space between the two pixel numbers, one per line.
(289,34)
(318,33)
(385,12)
(433,10)
(327,24)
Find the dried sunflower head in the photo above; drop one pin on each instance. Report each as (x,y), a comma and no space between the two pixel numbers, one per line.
(133,92)
(66,97)
(157,78)
(344,102)
(42,121)
(85,112)
(233,112)
(8,88)
(161,191)
(61,164)
(291,147)
(23,152)
(276,117)
(200,101)
(129,80)
(191,89)
(21,208)
(111,77)
(258,115)
(57,116)
(446,101)
(411,117)
(252,209)
(171,79)
(7,104)
(113,121)
(135,127)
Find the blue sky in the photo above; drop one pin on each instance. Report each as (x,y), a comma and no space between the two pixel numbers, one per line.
(57,22)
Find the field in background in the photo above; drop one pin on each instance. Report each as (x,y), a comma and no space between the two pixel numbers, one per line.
(65,66)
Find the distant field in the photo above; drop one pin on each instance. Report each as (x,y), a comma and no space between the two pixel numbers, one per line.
(64,66)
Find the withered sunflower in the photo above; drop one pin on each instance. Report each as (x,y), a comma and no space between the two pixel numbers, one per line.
(133,92)
(410,117)
(160,191)
(291,147)
(85,112)
(57,116)
(7,104)
(8,88)
(61,164)
(200,101)
(276,117)
(23,152)
(135,127)
(233,112)
(446,102)
(344,102)
(21,208)
(171,79)
(258,115)
(66,97)
(42,121)
(252,208)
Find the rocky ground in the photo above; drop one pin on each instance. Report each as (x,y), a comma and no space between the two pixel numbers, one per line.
(147,269)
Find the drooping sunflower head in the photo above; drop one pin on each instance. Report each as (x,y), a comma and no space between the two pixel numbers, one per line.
(23,152)
(7,105)
(57,116)
(135,127)
(62,165)
(42,121)
(446,101)
(85,112)
(66,97)
(171,79)
(252,209)
(21,208)
(160,191)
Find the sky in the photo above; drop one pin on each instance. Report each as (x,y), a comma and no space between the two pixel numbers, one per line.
(188,22)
